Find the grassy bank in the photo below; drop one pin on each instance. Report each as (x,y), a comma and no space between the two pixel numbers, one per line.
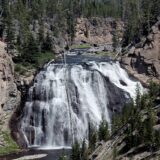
(7,144)
(80,46)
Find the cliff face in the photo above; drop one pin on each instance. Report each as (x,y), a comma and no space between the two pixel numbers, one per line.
(98,30)
(8,89)
(143,59)
(9,95)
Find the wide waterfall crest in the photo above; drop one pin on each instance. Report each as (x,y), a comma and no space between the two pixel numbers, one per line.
(65,99)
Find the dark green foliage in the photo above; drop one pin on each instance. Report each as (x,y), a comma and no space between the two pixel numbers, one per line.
(123,118)
(157,139)
(62,158)
(103,132)
(71,25)
(30,50)
(154,89)
(138,15)
(92,136)
(75,155)
(138,97)
(79,152)
(84,151)
(140,117)
(150,13)
(115,41)
(46,44)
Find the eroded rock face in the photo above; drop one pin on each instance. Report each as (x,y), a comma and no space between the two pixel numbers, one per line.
(143,59)
(97,30)
(9,95)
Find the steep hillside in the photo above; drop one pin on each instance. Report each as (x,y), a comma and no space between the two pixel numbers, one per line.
(9,99)
(8,89)
(143,59)
(136,137)
(98,30)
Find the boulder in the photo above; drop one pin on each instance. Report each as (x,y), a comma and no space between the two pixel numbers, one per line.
(157,127)
(155,30)
(126,61)
(132,50)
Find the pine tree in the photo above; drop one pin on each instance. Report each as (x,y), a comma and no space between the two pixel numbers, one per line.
(92,136)
(75,153)
(103,132)
(47,44)
(115,40)
(157,139)
(138,97)
(84,151)
(62,158)
(31,50)
(154,89)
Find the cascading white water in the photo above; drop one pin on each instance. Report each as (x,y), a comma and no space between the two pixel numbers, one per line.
(64,99)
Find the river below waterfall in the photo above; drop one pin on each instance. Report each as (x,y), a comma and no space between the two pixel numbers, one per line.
(38,155)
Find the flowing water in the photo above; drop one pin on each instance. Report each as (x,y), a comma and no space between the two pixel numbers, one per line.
(64,99)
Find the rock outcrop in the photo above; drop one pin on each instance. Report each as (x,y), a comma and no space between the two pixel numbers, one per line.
(9,95)
(8,89)
(142,60)
(98,30)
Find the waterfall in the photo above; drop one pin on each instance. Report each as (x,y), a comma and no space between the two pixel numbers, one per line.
(64,99)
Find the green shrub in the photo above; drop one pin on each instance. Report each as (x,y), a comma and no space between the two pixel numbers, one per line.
(19,68)
(9,145)
(43,58)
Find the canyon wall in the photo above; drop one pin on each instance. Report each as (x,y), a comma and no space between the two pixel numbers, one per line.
(142,60)
(9,95)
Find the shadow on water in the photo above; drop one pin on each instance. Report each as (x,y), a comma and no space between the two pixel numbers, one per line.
(50,154)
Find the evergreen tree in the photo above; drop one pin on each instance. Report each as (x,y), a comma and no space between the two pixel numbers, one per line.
(103,132)
(154,89)
(92,136)
(31,50)
(84,151)
(138,97)
(157,139)
(75,153)
(115,40)
(47,44)
(62,158)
